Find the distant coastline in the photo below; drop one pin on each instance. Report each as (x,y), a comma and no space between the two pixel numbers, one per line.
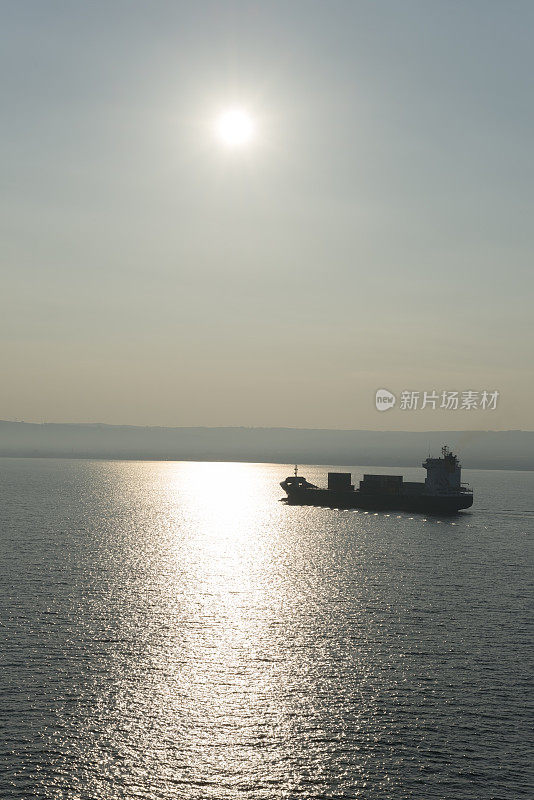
(477,449)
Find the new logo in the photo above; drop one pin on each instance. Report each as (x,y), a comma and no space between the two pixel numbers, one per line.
(384,400)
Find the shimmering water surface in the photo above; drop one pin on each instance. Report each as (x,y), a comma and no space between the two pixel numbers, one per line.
(171,630)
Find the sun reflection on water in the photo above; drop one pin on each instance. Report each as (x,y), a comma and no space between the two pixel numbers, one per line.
(218,674)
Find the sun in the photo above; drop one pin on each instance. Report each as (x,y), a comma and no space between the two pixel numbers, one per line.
(235,128)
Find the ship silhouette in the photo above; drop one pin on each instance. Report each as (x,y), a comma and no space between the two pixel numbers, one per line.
(442,492)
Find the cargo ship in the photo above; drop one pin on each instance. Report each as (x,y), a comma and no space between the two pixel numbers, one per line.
(442,492)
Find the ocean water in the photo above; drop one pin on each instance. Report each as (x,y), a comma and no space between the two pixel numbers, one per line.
(171,630)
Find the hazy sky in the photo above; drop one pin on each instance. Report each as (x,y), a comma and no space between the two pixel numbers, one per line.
(378,232)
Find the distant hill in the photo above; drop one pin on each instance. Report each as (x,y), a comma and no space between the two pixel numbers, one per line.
(477,449)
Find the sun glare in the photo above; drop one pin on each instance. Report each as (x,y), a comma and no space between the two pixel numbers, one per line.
(235,128)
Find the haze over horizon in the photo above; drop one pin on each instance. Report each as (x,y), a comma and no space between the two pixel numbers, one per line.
(373,231)
(482,449)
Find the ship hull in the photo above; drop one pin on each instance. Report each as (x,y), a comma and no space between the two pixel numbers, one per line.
(425,504)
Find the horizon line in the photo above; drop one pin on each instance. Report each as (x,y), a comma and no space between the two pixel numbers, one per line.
(266,427)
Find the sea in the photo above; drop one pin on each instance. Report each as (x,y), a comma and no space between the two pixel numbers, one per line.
(171,630)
